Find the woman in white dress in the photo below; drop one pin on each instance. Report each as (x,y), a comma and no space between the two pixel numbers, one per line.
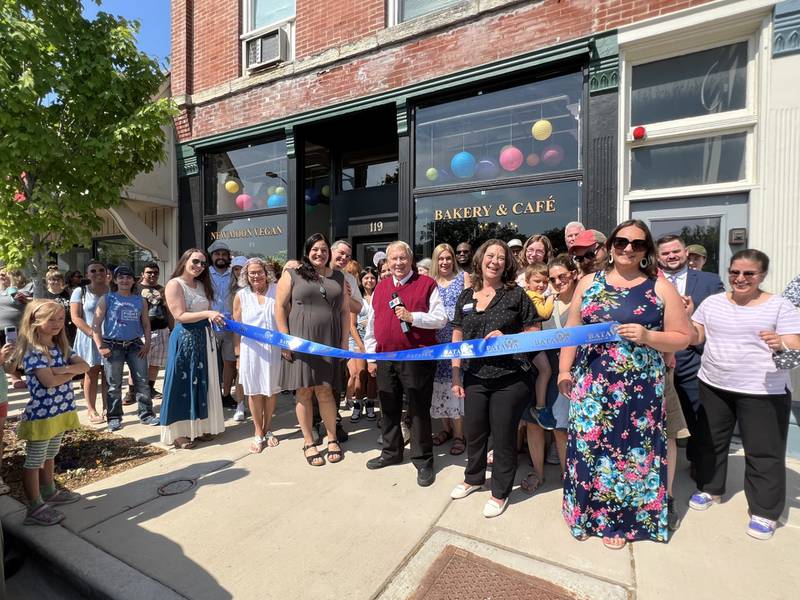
(192,405)
(259,363)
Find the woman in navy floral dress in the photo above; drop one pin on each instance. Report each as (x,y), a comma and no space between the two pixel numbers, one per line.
(616,475)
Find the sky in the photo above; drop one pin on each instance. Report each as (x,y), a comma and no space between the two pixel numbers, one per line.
(154,35)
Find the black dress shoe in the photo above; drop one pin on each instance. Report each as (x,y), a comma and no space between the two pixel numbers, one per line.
(425,476)
(228,401)
(379,463)
(341,434)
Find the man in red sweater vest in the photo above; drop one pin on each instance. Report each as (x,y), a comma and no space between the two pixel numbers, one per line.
(407,311)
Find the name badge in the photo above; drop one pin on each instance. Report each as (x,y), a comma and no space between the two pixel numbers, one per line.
(468,308)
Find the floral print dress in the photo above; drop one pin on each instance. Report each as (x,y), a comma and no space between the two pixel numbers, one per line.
(445,404)
(616,476)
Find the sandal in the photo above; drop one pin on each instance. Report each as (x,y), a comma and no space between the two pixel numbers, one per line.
(206,437)
(531,482)
(458,447)
(4,489)
(183,445)
(43,515)
(96,419)
(315,460)
(335,456)
(271,439)
(441,437)
(614,543)
(62,497)
(257,445)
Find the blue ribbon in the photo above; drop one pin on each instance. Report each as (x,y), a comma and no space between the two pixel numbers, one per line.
(598,333)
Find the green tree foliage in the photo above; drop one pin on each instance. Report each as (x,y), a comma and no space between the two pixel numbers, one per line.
(78,121)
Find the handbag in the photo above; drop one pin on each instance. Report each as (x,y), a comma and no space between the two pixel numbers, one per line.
(788,359)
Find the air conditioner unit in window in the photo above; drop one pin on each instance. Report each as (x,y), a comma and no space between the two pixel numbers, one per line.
(267,49)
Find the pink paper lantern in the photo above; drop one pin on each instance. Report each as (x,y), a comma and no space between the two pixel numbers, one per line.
(552,155)
(244,201)
(511,158)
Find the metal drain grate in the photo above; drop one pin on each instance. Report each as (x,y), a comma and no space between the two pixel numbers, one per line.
(179,486)
(457,573)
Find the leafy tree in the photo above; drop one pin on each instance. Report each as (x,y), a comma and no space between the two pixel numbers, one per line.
(78,121)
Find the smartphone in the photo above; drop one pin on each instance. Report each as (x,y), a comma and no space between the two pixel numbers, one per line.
(11,335)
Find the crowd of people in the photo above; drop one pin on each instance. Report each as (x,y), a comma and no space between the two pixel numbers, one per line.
(612,415)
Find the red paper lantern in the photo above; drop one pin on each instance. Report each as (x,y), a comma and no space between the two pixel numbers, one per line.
(639,133)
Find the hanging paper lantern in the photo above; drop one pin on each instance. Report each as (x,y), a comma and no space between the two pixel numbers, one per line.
(432,174)
(312,196)
(276,200)
(542,130)
(463,165)
(511,158)
(280,190)
(232,186)
(486,169)
(533,159)
(326,191)
(271,190)
(244,201)
(552,155)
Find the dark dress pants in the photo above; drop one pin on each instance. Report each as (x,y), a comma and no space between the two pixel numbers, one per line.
(494,406)
(415,379)
(686,385)
(764,425)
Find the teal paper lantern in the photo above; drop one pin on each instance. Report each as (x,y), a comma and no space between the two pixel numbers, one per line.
(463,165)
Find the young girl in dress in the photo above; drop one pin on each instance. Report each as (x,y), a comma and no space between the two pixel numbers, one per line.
(49,364)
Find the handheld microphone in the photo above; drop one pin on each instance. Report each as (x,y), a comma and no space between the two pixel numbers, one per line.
(398,301)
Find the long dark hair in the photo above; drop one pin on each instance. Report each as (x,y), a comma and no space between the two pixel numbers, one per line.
(364,272)
(306,270)
(204,278)
(651,268)
(509,274)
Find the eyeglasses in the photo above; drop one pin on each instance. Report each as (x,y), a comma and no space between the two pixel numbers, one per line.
(197,262)
(563,278)
(746,274)
(93,271)
(620,243)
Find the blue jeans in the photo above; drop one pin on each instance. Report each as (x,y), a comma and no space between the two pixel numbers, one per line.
(122,353)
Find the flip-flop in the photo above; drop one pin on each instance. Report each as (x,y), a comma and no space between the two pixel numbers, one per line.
(613,543)
(257,445)
(96,419)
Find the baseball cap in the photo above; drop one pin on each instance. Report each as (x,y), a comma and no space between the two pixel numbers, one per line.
(218,246)
(124,270)
(514,243)
(239,261)
(587,238)
(696,249)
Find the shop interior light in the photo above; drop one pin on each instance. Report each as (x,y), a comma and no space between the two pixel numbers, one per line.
(639,133)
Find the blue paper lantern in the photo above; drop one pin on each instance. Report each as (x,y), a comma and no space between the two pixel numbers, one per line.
(463,165)
(486,169)
(312,196)
(276,200)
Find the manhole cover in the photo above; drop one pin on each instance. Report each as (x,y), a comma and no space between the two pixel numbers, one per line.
(457,573)
(179,486)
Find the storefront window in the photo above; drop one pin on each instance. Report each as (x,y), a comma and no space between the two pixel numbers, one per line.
(120,250)
(496,213)
(263,236)
(708,160)
(526,130)
(246,179)
(692,85)
(368,169)
(701,230)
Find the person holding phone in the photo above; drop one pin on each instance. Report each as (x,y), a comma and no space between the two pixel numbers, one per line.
(16,293)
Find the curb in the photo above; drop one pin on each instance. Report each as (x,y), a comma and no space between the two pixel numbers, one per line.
(90,570)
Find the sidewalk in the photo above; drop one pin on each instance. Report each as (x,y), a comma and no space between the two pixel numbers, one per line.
(270,526)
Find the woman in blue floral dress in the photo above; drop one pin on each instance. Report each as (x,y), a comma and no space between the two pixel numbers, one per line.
(616,475)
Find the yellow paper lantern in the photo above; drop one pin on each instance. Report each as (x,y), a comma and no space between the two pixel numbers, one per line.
(231,186)
(542,130)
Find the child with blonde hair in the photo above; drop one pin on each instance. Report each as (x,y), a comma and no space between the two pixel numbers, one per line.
(44,354)
(536,282)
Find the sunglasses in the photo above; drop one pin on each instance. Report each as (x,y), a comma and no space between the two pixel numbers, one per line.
(563,278)
(197,262)
(746,274)
(620,243)
(93,271)
(588,255)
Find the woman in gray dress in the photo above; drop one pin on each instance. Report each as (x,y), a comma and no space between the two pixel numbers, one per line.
(309,305)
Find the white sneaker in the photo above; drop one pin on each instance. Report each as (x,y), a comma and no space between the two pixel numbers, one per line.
(493,509)
(406,433)
(239,414)
(462,490)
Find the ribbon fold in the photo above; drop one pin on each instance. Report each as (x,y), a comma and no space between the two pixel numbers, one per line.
(597,333)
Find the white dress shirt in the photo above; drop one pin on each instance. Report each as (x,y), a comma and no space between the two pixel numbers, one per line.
(435,318)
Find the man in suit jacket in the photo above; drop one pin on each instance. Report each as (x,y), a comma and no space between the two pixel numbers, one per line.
(694,286)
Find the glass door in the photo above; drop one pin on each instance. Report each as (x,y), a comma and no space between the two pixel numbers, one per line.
(718,223)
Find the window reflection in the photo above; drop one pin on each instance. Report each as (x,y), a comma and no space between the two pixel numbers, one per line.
(263,236)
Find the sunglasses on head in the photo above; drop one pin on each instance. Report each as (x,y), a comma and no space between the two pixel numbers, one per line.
(746,274)
(620,243)
(197,262)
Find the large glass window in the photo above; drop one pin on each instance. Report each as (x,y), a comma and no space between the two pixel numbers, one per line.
(703,161)
(260,236)
(116,251)
(483,214)
(692,85)
(526,130)
(411,9)
(267,12)
(365,169)
(246,179)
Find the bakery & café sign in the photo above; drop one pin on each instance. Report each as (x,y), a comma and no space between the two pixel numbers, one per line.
(502,209)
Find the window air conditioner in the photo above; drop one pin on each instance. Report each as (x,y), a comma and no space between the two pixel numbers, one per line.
(267,49)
